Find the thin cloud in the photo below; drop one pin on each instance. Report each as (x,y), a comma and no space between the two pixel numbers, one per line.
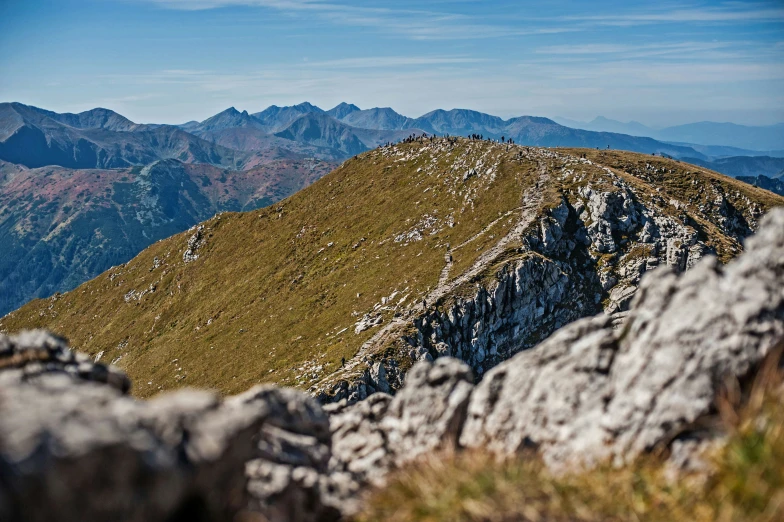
(394,61)
(728,13)
(416,24)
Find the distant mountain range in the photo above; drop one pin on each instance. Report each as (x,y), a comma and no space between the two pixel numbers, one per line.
(238,140)
(345,129)
(81,192)
(744,166)
(60,227)
(775,185)
(768,140)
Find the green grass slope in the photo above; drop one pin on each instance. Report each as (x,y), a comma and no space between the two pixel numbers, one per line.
(273,295)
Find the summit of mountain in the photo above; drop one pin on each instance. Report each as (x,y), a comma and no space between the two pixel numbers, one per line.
(342,110)
(276,118)
(230,118)
(319,129)
(380,118)
(460,122)
(436,246)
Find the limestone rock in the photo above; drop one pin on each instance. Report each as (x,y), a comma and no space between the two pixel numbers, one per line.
(288,476)
(590,393)
(74,447)
(33,355)
(82,451)
(195,242)
(359,443)
(378,434)
(430,409)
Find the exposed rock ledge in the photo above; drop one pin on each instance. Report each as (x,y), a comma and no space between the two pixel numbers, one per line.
(74,447)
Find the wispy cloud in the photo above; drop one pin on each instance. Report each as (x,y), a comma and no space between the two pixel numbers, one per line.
(417,24)
(725,13)
(395,61)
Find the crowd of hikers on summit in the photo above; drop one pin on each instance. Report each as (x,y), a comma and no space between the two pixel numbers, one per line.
(420,138)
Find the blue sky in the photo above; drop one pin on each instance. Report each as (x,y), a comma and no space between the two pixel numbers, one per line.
(176,60)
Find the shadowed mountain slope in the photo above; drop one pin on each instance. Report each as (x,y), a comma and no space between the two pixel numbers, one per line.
(99,139)
(320,130)
(61,227)
(775,185)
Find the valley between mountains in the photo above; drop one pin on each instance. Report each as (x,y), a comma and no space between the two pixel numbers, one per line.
(443,246)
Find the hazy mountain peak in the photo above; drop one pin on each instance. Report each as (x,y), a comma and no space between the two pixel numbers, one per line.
(308,107)
(342,110)
(226,119)
(276,118)
(381,118)
(97,118)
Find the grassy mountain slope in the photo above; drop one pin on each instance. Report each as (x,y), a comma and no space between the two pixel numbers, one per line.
(275,295)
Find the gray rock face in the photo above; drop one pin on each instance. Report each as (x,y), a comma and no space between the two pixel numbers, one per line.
(179,453)
(381,376)
(381,433)
(359,443)
(288,476)
(74,447)
(35,355)
(531,298)
(590,392)
(428,413)
(586,255)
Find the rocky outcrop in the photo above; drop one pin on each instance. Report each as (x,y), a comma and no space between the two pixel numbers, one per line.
(590,393)
(36,355)
(381,433)
(585,255)
(73,446)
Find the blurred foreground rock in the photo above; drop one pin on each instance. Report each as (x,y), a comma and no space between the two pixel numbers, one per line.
(73,446)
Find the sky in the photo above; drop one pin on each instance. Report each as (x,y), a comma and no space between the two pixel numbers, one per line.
(170,61)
